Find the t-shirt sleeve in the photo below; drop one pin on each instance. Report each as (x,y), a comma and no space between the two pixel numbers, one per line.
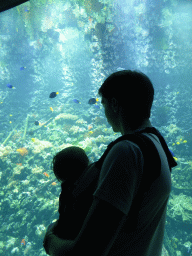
(120,175)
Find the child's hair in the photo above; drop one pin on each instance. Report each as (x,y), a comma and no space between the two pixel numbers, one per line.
(69,163)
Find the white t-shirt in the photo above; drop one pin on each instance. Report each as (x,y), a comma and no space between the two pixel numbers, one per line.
(119,180)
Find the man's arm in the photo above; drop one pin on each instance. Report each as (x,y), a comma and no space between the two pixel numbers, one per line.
(97,234)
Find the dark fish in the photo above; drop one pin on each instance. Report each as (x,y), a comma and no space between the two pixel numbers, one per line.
(22,68)
(36,122)
(10,86)
(53,94)
(76,101)
(93,101)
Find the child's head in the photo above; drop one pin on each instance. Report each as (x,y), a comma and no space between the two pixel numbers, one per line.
(69,163)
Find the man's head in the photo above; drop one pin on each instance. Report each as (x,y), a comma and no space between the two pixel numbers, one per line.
(127,96)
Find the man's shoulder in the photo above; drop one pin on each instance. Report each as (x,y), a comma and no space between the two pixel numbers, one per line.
(124,150)
(125,145)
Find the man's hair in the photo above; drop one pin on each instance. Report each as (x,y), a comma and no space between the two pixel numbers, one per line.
(134,92)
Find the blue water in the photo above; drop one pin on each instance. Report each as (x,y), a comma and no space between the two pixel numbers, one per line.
(70,47)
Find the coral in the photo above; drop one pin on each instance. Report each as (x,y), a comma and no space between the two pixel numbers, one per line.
(74,129)
(4,151)
(180,205)
(40,231)
(40,145)
(15,250)
(22,151)
(172,128)
(25,182)
(17,169)
(10,242)
(37,169)
(66,116)
(81,121)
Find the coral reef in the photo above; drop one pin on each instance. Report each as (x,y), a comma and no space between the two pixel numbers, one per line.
(71,47)
(39,146)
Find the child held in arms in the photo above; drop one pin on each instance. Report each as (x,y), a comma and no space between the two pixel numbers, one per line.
(68,165)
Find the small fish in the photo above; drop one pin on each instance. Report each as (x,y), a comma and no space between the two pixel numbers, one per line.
(51,109)
(10,86)
(96,106)
(23,241)
(53,183)
(36,123)
(33,139)
(22,68)
(76,101)
(93,101)
(53,94)
(46,174)
(171,152)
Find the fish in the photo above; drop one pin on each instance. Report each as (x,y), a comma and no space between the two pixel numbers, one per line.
(36,123)
(96,106)
(33,139)
(76,101)
(53,94)
(171,152)
(53,183)
(46,174)
(22,68)
(10,86)
(93,101)
(23,241)
(51,109)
